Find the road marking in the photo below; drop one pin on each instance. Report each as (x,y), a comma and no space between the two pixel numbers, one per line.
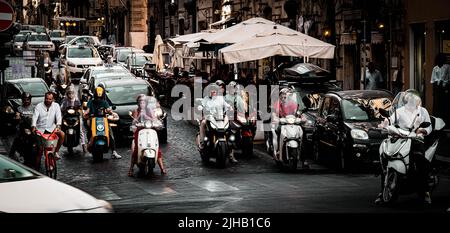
(107,194)
(156,189)
(213,185)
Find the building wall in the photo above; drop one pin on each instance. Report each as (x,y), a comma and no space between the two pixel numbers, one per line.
(427,14)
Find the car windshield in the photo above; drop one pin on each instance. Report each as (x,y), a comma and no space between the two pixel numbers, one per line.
(36,89)
(364,109)
(10,171)
(126,95)
(19,38)
(40,37)
(81,53)
(123,54)
(138,60)
(57,34)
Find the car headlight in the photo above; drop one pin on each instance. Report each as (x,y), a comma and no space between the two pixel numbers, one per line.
(71,64)
(18,46)
(359,134)
(46,65)
(8,110)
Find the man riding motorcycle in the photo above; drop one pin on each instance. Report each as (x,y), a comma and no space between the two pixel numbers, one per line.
(24,113)
(144,112)
(283,107)
(408,116)
(213,105)
(93,106)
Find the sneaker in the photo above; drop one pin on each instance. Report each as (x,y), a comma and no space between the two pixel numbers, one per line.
(305,165)
(233,159)
(114,155)
(427,198)
(379,199)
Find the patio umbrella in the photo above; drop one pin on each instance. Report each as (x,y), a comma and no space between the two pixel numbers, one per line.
(157,53)
(277,43)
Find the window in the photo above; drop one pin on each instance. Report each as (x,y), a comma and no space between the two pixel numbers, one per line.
(334,107)
(325,107)
(12,91)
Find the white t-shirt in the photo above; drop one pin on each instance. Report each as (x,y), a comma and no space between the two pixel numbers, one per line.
(405,118)
(441,75)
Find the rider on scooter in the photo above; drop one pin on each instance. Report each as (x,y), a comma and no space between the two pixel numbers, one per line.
(24,111)
(93,106)
(143,112)
(408,116)
(213,105)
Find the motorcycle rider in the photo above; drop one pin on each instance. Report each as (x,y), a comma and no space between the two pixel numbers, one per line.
(24,111)
(93,106)
(283,107)
(143,112)
(411,115)
(47,118)
(71,100)
(213,105)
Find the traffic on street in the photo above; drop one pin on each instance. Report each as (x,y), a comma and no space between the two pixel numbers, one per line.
(247,117)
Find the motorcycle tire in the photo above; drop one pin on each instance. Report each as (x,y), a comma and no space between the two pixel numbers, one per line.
(391,187)
(50,166)
(247,147)
(222,155)
(97,154)
(70,150)
(293,161)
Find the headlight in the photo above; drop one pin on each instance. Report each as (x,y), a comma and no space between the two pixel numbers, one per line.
(71,111)
(64,87)
(18,46)
(100,128)
(359,134)
(8,110)
(46,65)
(71,64)
(213,126)
(290,120)
(148,124)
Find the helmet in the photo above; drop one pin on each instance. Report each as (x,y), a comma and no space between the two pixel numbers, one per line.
(232,84)
(285,90)
(99,92)
(26,95)
(102,85)
(220,83)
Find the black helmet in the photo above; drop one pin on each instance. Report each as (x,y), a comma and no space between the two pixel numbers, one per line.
(26,95)
(220,83)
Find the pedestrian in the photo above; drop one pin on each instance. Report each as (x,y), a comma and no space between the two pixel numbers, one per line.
(440,78)
(374,79)
(397,81)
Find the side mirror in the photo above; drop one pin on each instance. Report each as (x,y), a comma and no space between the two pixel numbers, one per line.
(425,125)
(332,118)
(114,107)
(161,97)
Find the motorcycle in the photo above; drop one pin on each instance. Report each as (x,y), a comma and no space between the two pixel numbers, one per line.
(290,141)
(49,142)
(243,130)
(99,133)
(71,128)
(395,151)
(61,88)
(48,72)
(26,148)
(148,144)
(216,139)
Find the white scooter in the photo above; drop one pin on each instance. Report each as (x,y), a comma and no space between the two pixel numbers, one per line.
(148,145)
(395,151)
(289,142)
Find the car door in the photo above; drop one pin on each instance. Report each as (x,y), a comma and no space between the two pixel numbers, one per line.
(333,124)
(320,133)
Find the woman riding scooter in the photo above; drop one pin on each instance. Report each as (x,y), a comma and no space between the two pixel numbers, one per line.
(142,113)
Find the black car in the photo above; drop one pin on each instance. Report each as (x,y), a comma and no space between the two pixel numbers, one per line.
(14,89)
(123,94)
(346,131)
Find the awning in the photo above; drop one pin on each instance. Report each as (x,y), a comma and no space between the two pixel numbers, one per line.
(68,18)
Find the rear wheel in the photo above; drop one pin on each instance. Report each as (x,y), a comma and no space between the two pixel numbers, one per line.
(390,189)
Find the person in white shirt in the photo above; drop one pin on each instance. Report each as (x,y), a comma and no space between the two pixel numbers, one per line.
(440,78)
(409,115)
(47,118)
(374,79)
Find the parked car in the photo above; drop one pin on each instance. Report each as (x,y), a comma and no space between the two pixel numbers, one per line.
(38,41)
(17,45)
(121,54)
(346,130)
(94,81)
(57,37)
(135,63)
(14,89)
(123,94)
(78,58)
(26,191)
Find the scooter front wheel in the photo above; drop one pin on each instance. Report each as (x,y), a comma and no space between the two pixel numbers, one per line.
(50,166)
(390,189)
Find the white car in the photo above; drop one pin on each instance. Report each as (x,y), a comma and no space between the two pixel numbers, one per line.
(88,40)
(58,37)
(135,62)
(23,190)
(79,58)
(17,46)
(38,41)
(122,54)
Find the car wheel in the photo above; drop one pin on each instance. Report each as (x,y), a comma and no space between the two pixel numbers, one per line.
(316,151)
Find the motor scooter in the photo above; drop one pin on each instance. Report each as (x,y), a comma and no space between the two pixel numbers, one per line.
(71,128)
